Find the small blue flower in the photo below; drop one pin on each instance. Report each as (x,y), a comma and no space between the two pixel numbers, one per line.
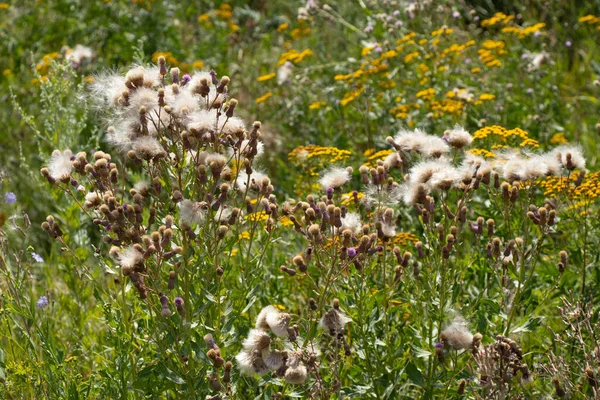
(42,302)
(37,257)
(10,198)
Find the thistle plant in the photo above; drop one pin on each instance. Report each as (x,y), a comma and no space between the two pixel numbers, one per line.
(190,224)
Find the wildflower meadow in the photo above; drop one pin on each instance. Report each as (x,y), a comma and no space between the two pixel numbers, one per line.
(300,199)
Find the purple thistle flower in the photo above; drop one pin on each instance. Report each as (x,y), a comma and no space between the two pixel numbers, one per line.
(329,192)
(178,301)
(42,302)
(568,43)
(10,198)
(186,79)
(351,252)
(439,345)
(37,257)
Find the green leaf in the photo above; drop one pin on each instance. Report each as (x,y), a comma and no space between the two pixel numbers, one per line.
(529,325)
(170,375)
(414,374)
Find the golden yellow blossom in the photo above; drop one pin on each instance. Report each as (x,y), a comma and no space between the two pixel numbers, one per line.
(266,77)
(264,98)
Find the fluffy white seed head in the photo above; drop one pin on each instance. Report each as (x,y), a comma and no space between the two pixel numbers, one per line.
(457,334)
(60,165)
(334,178)
(251,363)
(458,137)
(256,340)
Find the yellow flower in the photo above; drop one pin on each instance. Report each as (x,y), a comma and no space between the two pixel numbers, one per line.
(264,97)
(197,64)
(244,235)
(204,18)
(6,72)
(475,70)
(367,50)
(282,27)
(266,77)
(486,96)
(558,138)
(4,6)
(316,105)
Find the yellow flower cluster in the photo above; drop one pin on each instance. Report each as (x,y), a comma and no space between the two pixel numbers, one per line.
(558,138)
(348,198)
(482,152)
(351,96)
(294,56)
(43,66)
(452,107)
(171,60)
(588,190)
(426,94)
(489,52)
(405,238)
(591,20)
(224,13)
(373,157)
(524,32)
(505,135)
(327,154)
(301,32)
(498,18)
(402,110)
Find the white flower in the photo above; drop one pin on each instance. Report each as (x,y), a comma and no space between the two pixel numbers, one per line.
(271,318)
(79,54)
(60,165)
(333,321)
(458,137)
(296,375)
(184,105)
(351,221)
(191,212)
(273,359)
(245,148)
(571,157)
(334,178)
(422,143)
(256,340)
(251,363)
(107,89)
(256,180)
(92,199)
(444,179)
(233,126)
(457,334)
(284,73)
(147,147)
(130,257)
(424,170)
(202,123)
